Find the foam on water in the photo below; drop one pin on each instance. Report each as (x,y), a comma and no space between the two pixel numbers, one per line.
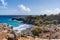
(22,27)
(17,25)
(8,20)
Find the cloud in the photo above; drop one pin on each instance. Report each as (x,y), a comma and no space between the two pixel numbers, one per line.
(4,3)
(17,11)
(24,8)
(51,11)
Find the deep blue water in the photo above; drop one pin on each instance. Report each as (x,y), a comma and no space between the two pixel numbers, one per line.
(7,20)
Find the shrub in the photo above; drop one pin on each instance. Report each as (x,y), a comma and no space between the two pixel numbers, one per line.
(38,22)
(36,31)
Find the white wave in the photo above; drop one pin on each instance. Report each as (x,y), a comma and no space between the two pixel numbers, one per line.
(22,27)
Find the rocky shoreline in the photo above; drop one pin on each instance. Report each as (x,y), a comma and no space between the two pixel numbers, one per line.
(7,32)
(50,32)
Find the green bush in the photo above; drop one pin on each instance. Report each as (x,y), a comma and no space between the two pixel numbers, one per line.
(38,22)
(54,22)
(36,30)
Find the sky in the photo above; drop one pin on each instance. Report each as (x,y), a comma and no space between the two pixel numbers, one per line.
(29,7)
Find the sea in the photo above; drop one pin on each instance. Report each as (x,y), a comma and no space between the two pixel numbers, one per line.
(6,19)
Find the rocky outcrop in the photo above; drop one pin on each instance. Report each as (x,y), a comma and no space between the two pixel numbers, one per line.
(11,36)
(18,19)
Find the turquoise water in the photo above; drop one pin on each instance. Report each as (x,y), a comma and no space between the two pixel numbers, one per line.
(7,20)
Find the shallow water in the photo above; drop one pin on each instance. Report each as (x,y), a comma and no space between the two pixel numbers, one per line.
(17,25)
(7,20)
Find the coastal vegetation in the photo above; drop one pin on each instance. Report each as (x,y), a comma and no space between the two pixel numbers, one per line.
(40,19)
(43,19)
(45,27)
(36,30)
